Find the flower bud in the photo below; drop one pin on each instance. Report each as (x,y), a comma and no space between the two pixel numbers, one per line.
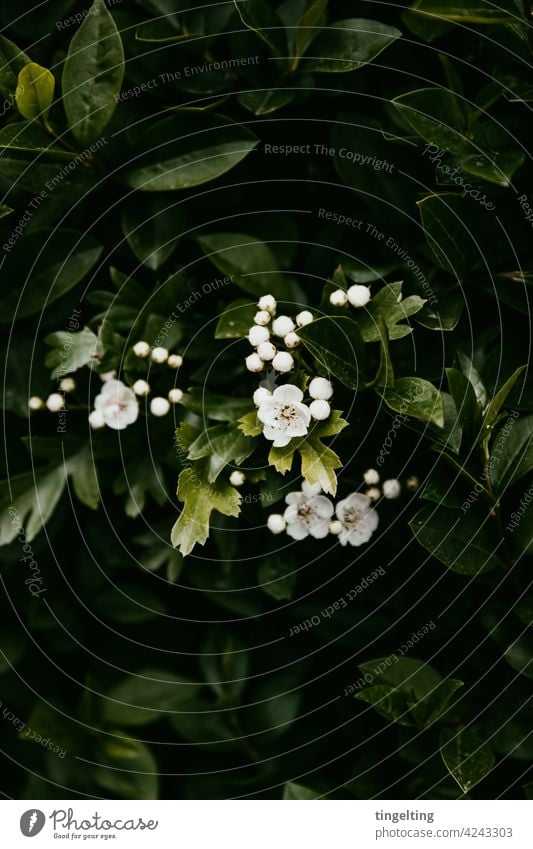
(373,493)
(276,523)
(262,317)
(237,478)
(68,384)
(292,340)
(55,402)
(96,420)
(268,303)
(141,349)
(141,387)
(321,389)
(320,410)
(35,403)
(335,527)
(261,395)
(304,317)
(159,406)
(359,296)
(283,362)
(254,362)
(159,355)
(282,325)
(257,335)
(267,351)
(371,477)
(175,361)
(392,488)
(175,396)
(338,298)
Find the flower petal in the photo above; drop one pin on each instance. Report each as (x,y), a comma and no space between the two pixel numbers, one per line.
(288,394)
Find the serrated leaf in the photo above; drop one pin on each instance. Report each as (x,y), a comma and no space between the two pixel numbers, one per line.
(70,351)
(200,498)
(388,305)
(221,445)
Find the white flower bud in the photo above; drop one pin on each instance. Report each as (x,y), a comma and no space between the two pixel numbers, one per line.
(282,325)
(175,396)
(175,361)
(257,335)
(261,395)
(68,384)
(283,362)
(304,317)
(335,527)
(276,523)
(338,298)
(392,488)
(292,340)
(371,477)
(237,478)
(412,483)
(96,420)
(321,389)
(36,403)
(141,349)
(373,493)
(267,351)
(159,355)
(262,317)
(141,387)
(107,376)
(254,362)
(55,402)
(268,303)
(159,406)
(320,410)
(359,296)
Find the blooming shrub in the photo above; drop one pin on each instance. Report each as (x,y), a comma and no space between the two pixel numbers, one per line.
(266,510)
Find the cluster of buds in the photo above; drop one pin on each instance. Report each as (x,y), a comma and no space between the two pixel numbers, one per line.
(157,354)
(55,402)
(357,296)
(266,326)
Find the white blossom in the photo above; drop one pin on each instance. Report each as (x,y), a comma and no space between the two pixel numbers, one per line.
(141,387)
(308,513)
(117,404)
(292,340)
(175,396)
(304,317)
(55,402)
(371,477)
(262,317)
(321,389)
(159,406)
(254,362)
(267,303)
(159,355)
(319,410)
(276,523)
(359,296)
(175,361)
(392,488)
(338,298)
(283,362)
(267,351)
(141,349)
(282,325)
(359,519)
(260,395)
(237,478)
(36,403)
(257,335)
(283,415)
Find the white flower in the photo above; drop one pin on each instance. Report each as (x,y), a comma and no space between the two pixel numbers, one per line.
(96,420)
(260,395)
(283,415)
(359,519)
(159,406)
(276,523)
(292,340)
(304,317)
(308,513)
(321,389)
(257,335)
(117,404)
(268,303)
(254,362)
(159,355)
(68,384)
(267,351)
(175,361)
(338,298)
(36,403)
(371,477)
(359,296)
(392,488)
(141,387)
(262,317)
(237,478)
(141,349)
(282,325)
(283,362)
(319,410)
(55,402)
(175,396)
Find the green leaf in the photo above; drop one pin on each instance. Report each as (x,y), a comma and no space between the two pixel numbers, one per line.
(146,696)
(413,396)
(126,769)
(92,75)
(470,12)
(307,29)
(139,477)
(81,468)
(70,351)
(457,539)
(262,19)
(28,500)
(152,227)
(336,343)
(519,656)
(30,136)
(497,402)
(200,498)
(12,61)
(210,405)
(348,45)
(438,116)
(35,92)
(463,394)
(236,320)
(512,453)
(264,102)
(185,150)
(466,755)
(293,791)
(250,424)
(389,306)
(222,445)
(247,260)
(319,463)
(44,266)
